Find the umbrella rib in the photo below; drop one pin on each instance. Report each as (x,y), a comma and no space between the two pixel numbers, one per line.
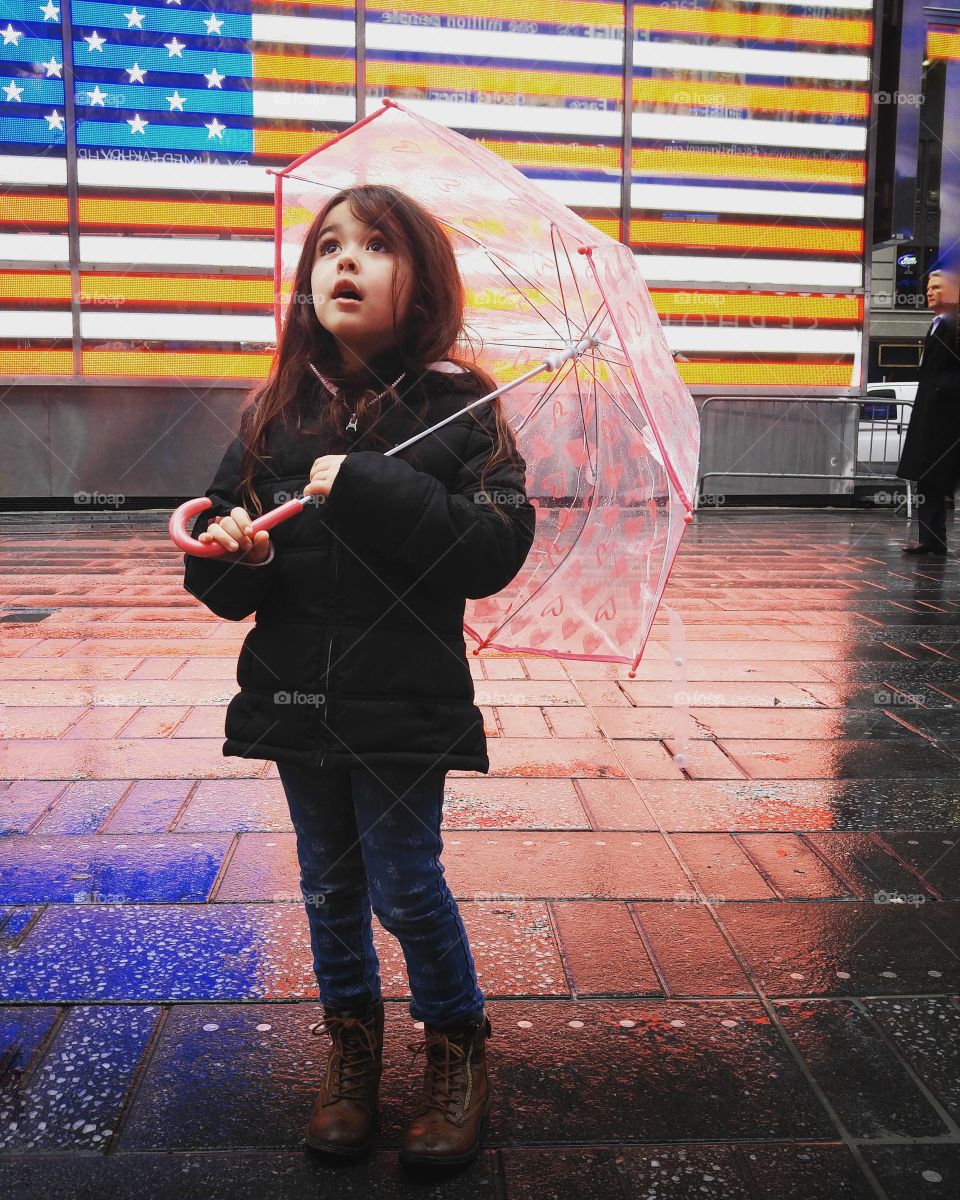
(551,349)
(540,586)
(547,394)
(613,400)
(556,267)
(493,256)
(563,312)
(641,402)
(557,379)
(573,276)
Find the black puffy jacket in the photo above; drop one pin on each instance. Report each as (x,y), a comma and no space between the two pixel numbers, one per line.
(358,651)
(931,448)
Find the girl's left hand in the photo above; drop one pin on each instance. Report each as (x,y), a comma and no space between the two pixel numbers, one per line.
(322,474)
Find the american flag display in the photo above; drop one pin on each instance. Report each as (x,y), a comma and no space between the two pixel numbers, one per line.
(735,169)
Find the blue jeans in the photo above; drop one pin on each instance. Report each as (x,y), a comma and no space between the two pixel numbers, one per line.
(369,838)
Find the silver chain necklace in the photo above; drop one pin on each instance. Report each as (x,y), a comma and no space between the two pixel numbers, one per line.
(335,391)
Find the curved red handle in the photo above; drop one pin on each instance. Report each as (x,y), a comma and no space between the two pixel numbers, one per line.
(191,508)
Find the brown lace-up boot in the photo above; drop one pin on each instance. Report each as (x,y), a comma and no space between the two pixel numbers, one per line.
(345,1110)
(445,1128)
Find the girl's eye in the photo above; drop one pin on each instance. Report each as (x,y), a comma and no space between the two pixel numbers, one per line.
(377,244)
(327,246)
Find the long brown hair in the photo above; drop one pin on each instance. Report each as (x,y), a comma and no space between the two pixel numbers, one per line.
(431,329)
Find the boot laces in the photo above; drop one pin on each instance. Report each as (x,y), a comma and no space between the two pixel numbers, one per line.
(354,1050)
(445,1077)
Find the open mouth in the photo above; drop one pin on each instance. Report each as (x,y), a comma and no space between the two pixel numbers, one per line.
(345,292)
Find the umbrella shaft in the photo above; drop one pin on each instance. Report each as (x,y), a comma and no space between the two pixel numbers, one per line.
(552,363)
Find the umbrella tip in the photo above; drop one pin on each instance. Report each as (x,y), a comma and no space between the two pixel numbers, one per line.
(687,518)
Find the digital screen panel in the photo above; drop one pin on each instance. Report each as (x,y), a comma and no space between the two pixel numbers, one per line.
(35,294)
(749,149)
(179,109)
(745,189)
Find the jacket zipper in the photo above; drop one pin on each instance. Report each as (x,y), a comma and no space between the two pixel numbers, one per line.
(352,427)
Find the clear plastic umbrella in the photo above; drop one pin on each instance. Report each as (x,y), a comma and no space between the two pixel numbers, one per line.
(608,430)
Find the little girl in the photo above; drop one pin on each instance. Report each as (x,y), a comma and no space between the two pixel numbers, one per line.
(354,678)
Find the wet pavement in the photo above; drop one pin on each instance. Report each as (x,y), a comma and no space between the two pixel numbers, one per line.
(715,909)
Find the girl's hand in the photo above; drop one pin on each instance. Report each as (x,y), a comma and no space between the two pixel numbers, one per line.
(322,474)
(233,532)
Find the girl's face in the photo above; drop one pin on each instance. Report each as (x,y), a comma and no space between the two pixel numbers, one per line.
(353,280)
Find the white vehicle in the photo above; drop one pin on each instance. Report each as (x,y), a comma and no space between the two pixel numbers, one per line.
(883,422)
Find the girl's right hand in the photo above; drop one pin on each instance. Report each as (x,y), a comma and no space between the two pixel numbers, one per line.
(234,534)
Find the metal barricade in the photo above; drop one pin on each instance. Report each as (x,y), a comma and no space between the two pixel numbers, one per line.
(790,436)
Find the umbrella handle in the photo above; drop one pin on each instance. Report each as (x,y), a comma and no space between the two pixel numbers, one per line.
(191,508)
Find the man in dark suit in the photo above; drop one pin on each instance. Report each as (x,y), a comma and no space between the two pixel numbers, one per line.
(931,448)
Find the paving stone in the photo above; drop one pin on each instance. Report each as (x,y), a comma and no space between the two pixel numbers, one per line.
(716,694)
(82,807)
(869,1089)
(21,721)
(23,1032)
(124,952)
(689,950)
(819,663)
(24,801)
(161,952)
(926,1031)
(934,856)
(17,921)
(123,758)
(848,947)
(684,1172)
(231,1175)
(775,759)
(489,865)
(834,724)
(620,803)
(719,867)
(792,867)
(701,758)
(563,758)
(150,806)
(503,803)
(602,949)
(72,1093)
(911,1172)
(557,1173)
(866,863)
(237,804)
(104,869)
(235,1085)
(791,1172)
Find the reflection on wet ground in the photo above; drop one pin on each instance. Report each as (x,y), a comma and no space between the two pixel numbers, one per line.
(716,915)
